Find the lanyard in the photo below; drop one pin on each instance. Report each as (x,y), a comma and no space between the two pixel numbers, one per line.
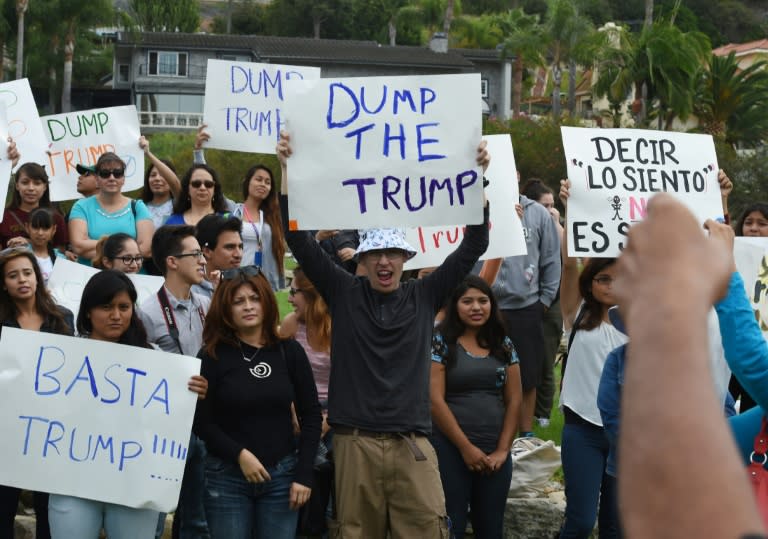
(256,230)
(170,320)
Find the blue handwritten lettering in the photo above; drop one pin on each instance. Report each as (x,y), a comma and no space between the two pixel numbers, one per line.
(113,384)
(125,455)
(400,137)
(426,100)
(245,120)
(90,378)
(106,444)
(50,440)
(134,372)
(420,142)
(462,185)
(72,446)
(437,185)
(48,374)
(403,96)
(360,183)
(381,103)
(161,388)
(331,101)
(242,79)
(30,419)
(387,192)
(359,134)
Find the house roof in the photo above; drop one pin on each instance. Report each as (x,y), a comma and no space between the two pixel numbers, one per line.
(741,49)
(295,49)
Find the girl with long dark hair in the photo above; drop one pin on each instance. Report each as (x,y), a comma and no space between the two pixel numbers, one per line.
(25,303)
(476,393)
(263,240)
(585,299)
(200,195)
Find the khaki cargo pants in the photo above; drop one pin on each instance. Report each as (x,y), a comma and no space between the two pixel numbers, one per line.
(382,490)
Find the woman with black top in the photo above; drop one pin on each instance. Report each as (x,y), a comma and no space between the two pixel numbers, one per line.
(26,304)
(254,478)
(476,393)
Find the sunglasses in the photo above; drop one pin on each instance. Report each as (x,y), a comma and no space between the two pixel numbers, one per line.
(244,272)
(105,173)
(197,184)
(128,259)
(293,291)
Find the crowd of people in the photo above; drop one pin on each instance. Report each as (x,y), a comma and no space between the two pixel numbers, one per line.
(419,448)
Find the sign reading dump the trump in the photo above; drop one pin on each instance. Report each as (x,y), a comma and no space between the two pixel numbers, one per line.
(614,172)
(93,419)
(384,151)
(81,137)
(434,244)
(244,102)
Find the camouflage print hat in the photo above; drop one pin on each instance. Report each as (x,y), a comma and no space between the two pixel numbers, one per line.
(372,239)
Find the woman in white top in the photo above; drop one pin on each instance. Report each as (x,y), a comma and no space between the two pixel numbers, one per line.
(263,241)
(585,299)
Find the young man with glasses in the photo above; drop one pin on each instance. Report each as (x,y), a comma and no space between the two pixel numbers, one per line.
(174,319)
(386,476)
(222,245)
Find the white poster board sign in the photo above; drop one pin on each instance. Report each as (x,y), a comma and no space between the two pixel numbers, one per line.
(5,163)
(384,151)
(93,419)
(23,122)
(614,172)
(244,102)
(68,279)
(81,137)
(434,244)
(751,256)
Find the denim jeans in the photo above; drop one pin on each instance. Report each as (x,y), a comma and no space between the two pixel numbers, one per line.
(486,495)
(70,516)
(237,509)
(584,454)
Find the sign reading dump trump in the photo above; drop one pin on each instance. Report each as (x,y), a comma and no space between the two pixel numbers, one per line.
(384,151)
(434,244)
(81,137)
(93,419)
(614,172)
(244,103)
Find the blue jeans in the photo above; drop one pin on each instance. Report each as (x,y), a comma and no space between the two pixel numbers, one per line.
(237,509)
(584,454)
(70,516)
(486,495)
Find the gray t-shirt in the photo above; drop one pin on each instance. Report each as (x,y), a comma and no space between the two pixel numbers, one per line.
(474,390)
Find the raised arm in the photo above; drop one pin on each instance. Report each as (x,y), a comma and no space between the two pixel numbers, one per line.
(570,297)
(665,307)
(201,138)
(164,170)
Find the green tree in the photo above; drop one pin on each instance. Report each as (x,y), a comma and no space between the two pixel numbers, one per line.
(475,32)
(524,41)
(76,15)
(248,18)
(165,15)
(732,103)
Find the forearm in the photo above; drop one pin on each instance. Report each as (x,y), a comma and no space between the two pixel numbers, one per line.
(670,337)
(446,422)
(166,172)
(509,427)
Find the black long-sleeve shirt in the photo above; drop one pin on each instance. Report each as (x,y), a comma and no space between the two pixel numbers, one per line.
(380,343)
(248,405)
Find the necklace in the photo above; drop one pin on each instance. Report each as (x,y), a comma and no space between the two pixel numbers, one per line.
(246,358)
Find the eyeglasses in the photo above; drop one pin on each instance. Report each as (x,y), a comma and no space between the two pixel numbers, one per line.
(17,249)
(196,254)
(105,173)
(391,254)
(197,184)
(294,291)
(604,280)
(128,259)
(244,272)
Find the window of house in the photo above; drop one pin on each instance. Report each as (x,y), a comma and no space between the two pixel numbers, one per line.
(123,73)
(168,63)
(235,57)
(483,87)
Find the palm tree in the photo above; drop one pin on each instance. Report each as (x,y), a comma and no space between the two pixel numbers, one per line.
(525,42)
(21,8)
(731,103)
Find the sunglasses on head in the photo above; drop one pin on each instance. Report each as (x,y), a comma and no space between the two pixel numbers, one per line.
(105,173)
(197,184)
(244,272)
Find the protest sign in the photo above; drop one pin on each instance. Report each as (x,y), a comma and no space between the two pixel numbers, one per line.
(751,256)
(68,279)
(244,102)
(384,151)
(94,419)
(81,137)
(433,244)
(24,124)
(614,172)
(5,163)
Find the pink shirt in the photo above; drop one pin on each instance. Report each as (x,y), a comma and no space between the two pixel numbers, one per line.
(320,362)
